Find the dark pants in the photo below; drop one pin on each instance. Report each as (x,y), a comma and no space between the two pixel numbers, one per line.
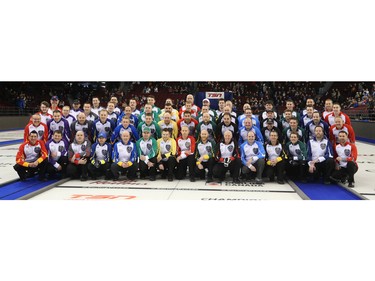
(75,171)
(297,169)
(131,171)
(326,168)
(234,167)
(209,164)
(169,166)
(259,165)
(144,170)
(182,167)
(104,169)
(52,171)
(278,170)
(349,172)
(23,171)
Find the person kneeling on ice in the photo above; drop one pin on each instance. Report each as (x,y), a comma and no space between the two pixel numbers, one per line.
(205,156)
(167,154)
(297,158)
(57,149)
(124,158)
(100,158)
(252,157)
(31,158)
(320,156)
(275,158)
(78,153)
(228,158)
(147,150)
(346,160)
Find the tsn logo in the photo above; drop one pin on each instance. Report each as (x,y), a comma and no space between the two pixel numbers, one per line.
(213,95)
(100,197)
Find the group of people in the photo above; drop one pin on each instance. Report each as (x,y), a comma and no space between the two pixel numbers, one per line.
(198,143)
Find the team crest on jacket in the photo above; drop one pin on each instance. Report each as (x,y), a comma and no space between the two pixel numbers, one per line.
(83,147)
(61,128)
(209,131)
(37,149)
(347,152)
(104,152)
(187,144)
(129,149)
(85,130)
(168,147)
(298,151)
(208,149)
(278,150)
(40,133)
(106,129)
(255,150)
(149,146)
(323,146)
(61,148)
(230,148)
(152,131)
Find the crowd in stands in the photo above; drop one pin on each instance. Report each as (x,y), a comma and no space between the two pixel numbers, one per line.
(129,133)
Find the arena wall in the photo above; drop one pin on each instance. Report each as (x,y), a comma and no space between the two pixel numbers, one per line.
(13,122)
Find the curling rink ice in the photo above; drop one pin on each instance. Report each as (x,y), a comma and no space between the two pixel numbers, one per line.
(177,190)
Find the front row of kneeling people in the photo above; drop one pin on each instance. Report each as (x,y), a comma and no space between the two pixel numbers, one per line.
(252,160)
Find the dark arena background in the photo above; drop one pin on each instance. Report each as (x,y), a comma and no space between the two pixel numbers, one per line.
(19,101)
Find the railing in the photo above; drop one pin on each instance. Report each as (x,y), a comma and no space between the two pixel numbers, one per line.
(15,111)
(360,114)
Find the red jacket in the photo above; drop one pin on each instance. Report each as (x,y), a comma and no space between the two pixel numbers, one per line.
(28,153)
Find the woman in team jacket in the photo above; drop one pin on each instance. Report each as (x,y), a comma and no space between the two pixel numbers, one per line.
(228,158)
(297,158)
(275,158)
(205,156)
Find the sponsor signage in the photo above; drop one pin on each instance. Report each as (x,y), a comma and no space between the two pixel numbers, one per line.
(215,95)
(100,197)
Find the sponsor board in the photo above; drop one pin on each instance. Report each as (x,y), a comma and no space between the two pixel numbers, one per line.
(215,95)
(163,184)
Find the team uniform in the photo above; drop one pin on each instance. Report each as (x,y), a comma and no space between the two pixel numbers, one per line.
(42,131)
(257,153)
(185,149)
(266,133)
(206,150)
(192,125)
(245,131)
(167,153)
(100,160)
(222,128)
(154,128)
(78,151)
(297,159)
(304,120)
(70,118)
(86,127)
(241,120)
(310,129)
(113,117)
(61,159)
(27,154)
(91,116)
(132,118)
(300,132)
(96,110)
(122,153)
(75,113)
(107,127)
(348,165)
(321,150)
(44,118)
(228,158)
(209,126)
(172,128)
(149,149)
(116,136)
(62,125)
(334,133)
(275,152)
(330,119)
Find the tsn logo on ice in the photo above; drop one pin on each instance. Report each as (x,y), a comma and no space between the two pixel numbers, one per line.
(214,95)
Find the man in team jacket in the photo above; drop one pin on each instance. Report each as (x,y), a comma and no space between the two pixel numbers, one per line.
(346,160)
(147,150)
(31,158)
(78,153)
(275,158)
(167,154)
(252,157)
(57,149)
(205,156)
(185,154)
(100,158)
(297,158)
(228,158)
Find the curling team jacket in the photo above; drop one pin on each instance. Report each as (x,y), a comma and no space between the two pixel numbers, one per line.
(147,148)
(60,148)
(207,150)
(186,147)
(297,151)
(321,150)
(254,150)
(101,153)
(167,148)
(347,152)
(62,125)
(79,151)
(42,131)
(225,151)
(124,152)
(28,153)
